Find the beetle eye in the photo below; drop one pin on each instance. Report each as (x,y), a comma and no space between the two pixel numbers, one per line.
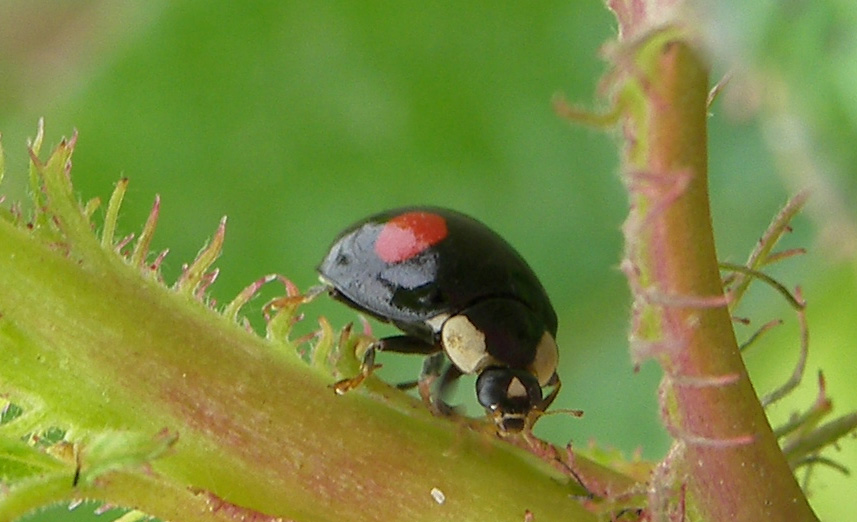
(505,391)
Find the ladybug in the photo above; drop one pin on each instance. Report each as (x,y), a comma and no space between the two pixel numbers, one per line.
(452,286)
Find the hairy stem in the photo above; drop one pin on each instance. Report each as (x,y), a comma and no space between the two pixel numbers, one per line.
(726,464)
(177,410)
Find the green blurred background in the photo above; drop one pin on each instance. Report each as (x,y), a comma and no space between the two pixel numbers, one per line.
(296,118)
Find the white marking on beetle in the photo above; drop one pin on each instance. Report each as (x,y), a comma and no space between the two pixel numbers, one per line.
(464,344)
(436,322)
(546,359)
(438,496)
(516,388)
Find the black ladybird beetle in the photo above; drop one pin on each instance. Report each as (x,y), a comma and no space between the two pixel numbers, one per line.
(451,284)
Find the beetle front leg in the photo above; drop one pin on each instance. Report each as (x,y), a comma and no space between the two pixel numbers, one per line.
(547,401)
(444,388)
(430,372)
(432,366)
(435,384)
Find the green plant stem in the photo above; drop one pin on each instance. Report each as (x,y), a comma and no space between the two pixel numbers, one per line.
(92,346)
(725,451)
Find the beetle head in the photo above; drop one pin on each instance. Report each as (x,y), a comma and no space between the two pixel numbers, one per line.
(509,396)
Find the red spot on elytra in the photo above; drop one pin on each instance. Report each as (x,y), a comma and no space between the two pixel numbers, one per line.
(408,234)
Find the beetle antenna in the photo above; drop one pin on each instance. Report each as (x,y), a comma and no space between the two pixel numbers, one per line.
(573,413)
(535,415)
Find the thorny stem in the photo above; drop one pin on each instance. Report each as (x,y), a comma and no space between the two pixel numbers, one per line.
(724,443)
(163,404)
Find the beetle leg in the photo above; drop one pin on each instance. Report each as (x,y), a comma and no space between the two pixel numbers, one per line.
(428,375)
(547,401)
(367,366)
(397,344)
(431,372)
(406,344)
(447,382)
(432,365)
